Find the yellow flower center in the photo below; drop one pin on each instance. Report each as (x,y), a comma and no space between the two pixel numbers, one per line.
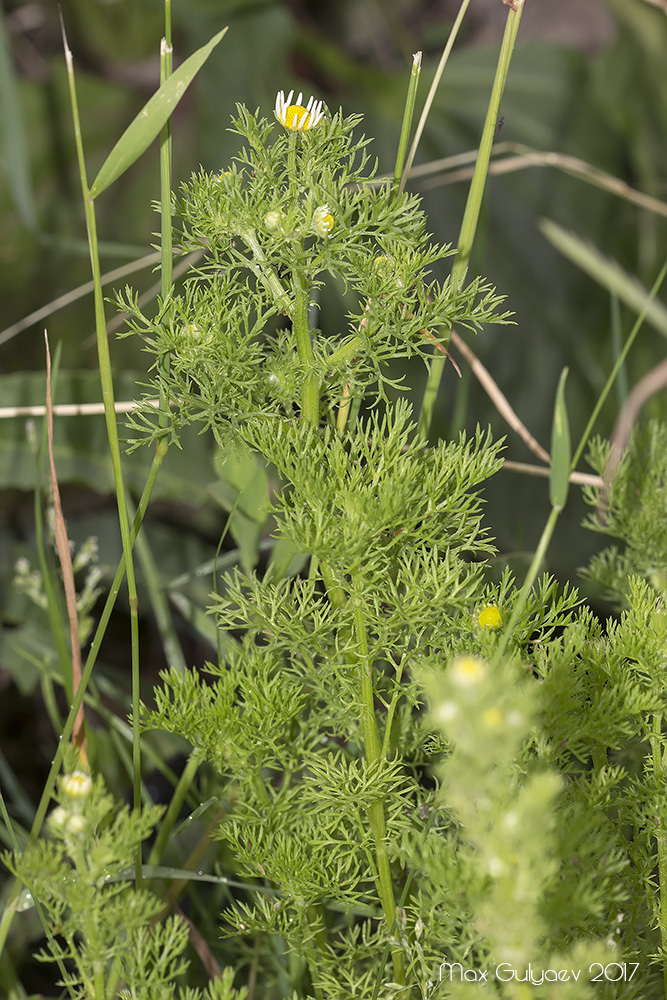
(297,117)
(323,221)
(76,785)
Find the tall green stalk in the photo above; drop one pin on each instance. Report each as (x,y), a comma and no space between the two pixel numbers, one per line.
(106,378)
(474,202)
(166,237)
(166,61)
(432,92)
(658,765)
(376,816)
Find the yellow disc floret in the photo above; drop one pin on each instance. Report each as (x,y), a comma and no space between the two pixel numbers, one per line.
(492,718)
(489,617)
(296,117)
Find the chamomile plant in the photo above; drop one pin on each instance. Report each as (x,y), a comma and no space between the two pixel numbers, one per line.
(313,717)
(414,767)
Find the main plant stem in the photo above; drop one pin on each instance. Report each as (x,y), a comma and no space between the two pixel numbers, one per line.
(373,749)
(106,379)
(310,389)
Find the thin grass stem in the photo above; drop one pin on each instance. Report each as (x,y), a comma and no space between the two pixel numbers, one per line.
(474,202)
(106,378)
(550,526)
(444,58)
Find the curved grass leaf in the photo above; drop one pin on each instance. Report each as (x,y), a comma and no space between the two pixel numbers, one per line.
(560,448)
(607,273)
(140,133)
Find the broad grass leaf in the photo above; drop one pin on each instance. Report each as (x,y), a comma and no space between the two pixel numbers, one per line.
(138,136)
(243,490)
(81,443)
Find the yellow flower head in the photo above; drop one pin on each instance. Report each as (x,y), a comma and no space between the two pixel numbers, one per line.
(296,117)
(489,617)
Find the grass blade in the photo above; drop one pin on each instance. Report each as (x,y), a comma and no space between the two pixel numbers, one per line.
(560,448)
(140,133)
(607,273)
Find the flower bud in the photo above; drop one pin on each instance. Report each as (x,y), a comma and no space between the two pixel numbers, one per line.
(76,785)
(274,219)
(58,819)
(76,825)
(489,617)
(323,221)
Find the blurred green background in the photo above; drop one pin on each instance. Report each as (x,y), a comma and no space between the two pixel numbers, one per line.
(587,80)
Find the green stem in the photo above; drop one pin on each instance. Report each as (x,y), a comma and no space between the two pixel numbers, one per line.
(474,202)
(314,939)
(106,378)
(310,389)
(166,240)
(166,246)
(177,799)
(376,816)
(434,87)
(265,273)
(533,570)
(159,603)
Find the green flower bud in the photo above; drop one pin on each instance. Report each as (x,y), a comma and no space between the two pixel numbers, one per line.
(76,785)
(274,219)
(323,221)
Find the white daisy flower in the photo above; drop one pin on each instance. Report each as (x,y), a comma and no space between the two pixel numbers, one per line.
(295,116)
